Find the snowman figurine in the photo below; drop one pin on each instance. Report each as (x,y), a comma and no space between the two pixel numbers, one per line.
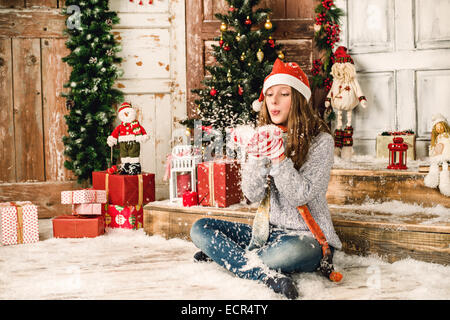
(129,134)
(439,154)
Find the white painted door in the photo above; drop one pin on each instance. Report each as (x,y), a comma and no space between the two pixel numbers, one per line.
(401,50)
(152,37)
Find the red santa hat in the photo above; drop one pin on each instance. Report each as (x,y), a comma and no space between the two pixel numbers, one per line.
(288,73)
(123,106)
(341,55)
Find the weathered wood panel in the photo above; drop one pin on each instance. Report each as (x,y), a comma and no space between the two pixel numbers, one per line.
(46,195)
(54,74)
(394,245)
(32,23)
(28,110)
(41,3)
(355,186)
(7,141)
(12,3)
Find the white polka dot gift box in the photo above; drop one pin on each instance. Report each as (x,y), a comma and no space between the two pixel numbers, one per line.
(18,223)
(83,196)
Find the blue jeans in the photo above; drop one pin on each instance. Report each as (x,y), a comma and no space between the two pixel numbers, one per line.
(225,242)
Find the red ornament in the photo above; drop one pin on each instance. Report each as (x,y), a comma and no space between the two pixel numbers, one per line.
(221,42)
(227,48)
(248,21)
(112,170)
(150,2)
(231,9)
(213,92)
(141,3)
(397,154)
(240,90)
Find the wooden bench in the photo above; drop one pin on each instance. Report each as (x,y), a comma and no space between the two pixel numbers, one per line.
(391,236)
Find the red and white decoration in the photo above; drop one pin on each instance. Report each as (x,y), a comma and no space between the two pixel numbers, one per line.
(83,196)
(11,225)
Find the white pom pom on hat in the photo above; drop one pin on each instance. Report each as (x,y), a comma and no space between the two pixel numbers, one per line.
(288,73)
(436,118)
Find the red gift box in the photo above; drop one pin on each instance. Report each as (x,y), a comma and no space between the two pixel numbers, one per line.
(183,184)
(190,198)
(125,190)
(128,217)
(219,183)
(78,226)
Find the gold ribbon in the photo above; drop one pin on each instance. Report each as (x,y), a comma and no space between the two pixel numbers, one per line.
(19,213)
(141,192)
(212,200)
(106,190)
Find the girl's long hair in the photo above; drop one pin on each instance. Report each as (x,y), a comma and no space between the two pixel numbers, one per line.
(304,123)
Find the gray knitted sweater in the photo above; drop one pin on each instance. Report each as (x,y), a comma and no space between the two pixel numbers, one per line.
(290,188)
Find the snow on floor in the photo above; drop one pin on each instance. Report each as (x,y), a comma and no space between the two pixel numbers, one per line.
(398,209)
(127,264)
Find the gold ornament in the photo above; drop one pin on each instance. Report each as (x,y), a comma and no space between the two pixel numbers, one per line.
(242,56)
(238,37)
(268,24)
(260,55)
(223,27)
(281,55)
(229,76)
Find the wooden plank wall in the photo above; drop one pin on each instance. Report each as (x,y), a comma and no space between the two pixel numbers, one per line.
(32,123)
(294,21)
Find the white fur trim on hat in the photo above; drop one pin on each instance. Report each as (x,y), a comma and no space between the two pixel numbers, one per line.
(287,79)
(438,118)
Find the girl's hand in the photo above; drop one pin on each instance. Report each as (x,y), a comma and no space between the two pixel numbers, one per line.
(267,142)
(271,143)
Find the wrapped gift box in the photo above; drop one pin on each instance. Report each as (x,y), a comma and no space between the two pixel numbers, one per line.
(190,198)
(83,196)
(18,223)
(88,209)
(383,141)
(219,183)
(128,217)
(70,226)
(125,190)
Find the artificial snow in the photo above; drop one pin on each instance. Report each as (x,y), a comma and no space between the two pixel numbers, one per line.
(128,264)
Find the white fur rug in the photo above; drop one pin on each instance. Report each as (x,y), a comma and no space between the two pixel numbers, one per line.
(127,264)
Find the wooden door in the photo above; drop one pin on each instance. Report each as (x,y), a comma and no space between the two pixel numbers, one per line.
(401,50)
(294,21)
(32,113)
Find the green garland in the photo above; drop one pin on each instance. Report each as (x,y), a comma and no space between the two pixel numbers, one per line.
(92,96)
(326,34)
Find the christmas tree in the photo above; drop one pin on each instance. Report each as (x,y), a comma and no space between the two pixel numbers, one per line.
(91,97)
(245,55)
